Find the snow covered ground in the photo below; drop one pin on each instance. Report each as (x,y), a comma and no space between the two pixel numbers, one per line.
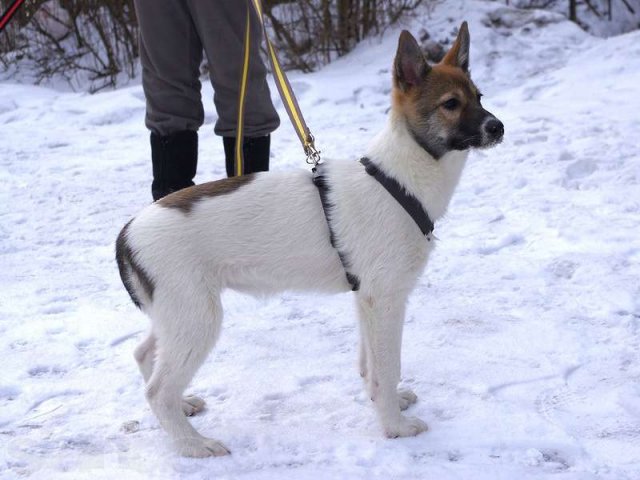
(522,340)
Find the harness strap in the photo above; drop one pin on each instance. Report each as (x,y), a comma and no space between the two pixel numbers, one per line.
(410,203)
(320,181)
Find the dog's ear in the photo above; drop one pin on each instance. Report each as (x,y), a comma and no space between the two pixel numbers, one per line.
(458,56)
(409,67)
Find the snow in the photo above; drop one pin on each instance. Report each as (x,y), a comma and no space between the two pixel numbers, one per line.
(594,17)
(521,340)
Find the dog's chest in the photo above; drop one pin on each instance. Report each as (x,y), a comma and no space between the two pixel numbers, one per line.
(374,232)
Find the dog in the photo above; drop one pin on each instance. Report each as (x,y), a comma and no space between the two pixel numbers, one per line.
(270,232)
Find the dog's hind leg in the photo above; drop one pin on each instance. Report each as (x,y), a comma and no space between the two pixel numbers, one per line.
(145,354)
(382,319)
(186,327)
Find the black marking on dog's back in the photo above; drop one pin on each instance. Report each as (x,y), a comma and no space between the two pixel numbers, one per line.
(128,266)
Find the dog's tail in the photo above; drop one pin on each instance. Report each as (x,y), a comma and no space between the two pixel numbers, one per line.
(133,276)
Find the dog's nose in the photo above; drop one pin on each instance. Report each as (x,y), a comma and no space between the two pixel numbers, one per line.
(495,128)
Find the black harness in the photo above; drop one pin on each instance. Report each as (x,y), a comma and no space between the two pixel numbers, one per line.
(410,203)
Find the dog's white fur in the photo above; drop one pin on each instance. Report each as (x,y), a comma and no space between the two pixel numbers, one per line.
(271,235)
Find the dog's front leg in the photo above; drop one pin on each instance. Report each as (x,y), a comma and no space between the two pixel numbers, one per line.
(381,322)
(406,397)
(365,356)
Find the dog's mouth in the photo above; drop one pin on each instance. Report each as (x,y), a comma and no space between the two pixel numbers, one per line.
(474,141)
(466,143)
(492,142)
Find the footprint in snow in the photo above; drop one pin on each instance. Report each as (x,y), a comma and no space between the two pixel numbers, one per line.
(54,145)
(550,401)
(548,458)
(46,371)
(507,241)
(565,156)
(273,397)
(562,268)
(314,380)
(9,392)
(54,309)
(579,169)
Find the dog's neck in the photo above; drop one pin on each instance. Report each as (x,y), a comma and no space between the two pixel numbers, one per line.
(431,181)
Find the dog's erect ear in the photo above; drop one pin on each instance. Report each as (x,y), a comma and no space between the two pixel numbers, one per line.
(409,67)
(458,56)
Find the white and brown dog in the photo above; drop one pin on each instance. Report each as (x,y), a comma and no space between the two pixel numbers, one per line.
(266,233)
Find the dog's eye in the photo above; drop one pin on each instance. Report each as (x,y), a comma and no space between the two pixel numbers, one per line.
(451,104)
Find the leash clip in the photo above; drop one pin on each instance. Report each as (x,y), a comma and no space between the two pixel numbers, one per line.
(313,154)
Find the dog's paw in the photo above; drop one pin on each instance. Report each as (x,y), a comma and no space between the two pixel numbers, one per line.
(406,398)
(405,427)
(202,447)
(192,405)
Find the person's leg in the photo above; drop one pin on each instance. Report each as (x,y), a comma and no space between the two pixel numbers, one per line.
(175,161)
(255,151)
(171,53)
(221,25)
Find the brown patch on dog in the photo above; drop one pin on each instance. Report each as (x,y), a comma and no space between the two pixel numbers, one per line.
(440,80)
(443,83)
(421,89)
(185,199)
(440,103)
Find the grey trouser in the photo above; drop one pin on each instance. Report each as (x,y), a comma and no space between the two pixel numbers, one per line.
(173,34)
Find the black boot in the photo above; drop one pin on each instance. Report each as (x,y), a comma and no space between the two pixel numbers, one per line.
(175,159)
(255,151)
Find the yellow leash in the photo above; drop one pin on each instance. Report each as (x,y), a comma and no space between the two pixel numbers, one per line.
(239,156)
(286,93)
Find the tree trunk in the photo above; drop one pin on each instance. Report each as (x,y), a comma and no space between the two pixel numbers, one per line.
(572,11)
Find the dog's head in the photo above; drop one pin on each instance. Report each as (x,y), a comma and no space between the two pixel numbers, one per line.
(440,103)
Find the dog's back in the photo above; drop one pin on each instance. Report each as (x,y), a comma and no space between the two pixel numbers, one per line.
(232,236)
